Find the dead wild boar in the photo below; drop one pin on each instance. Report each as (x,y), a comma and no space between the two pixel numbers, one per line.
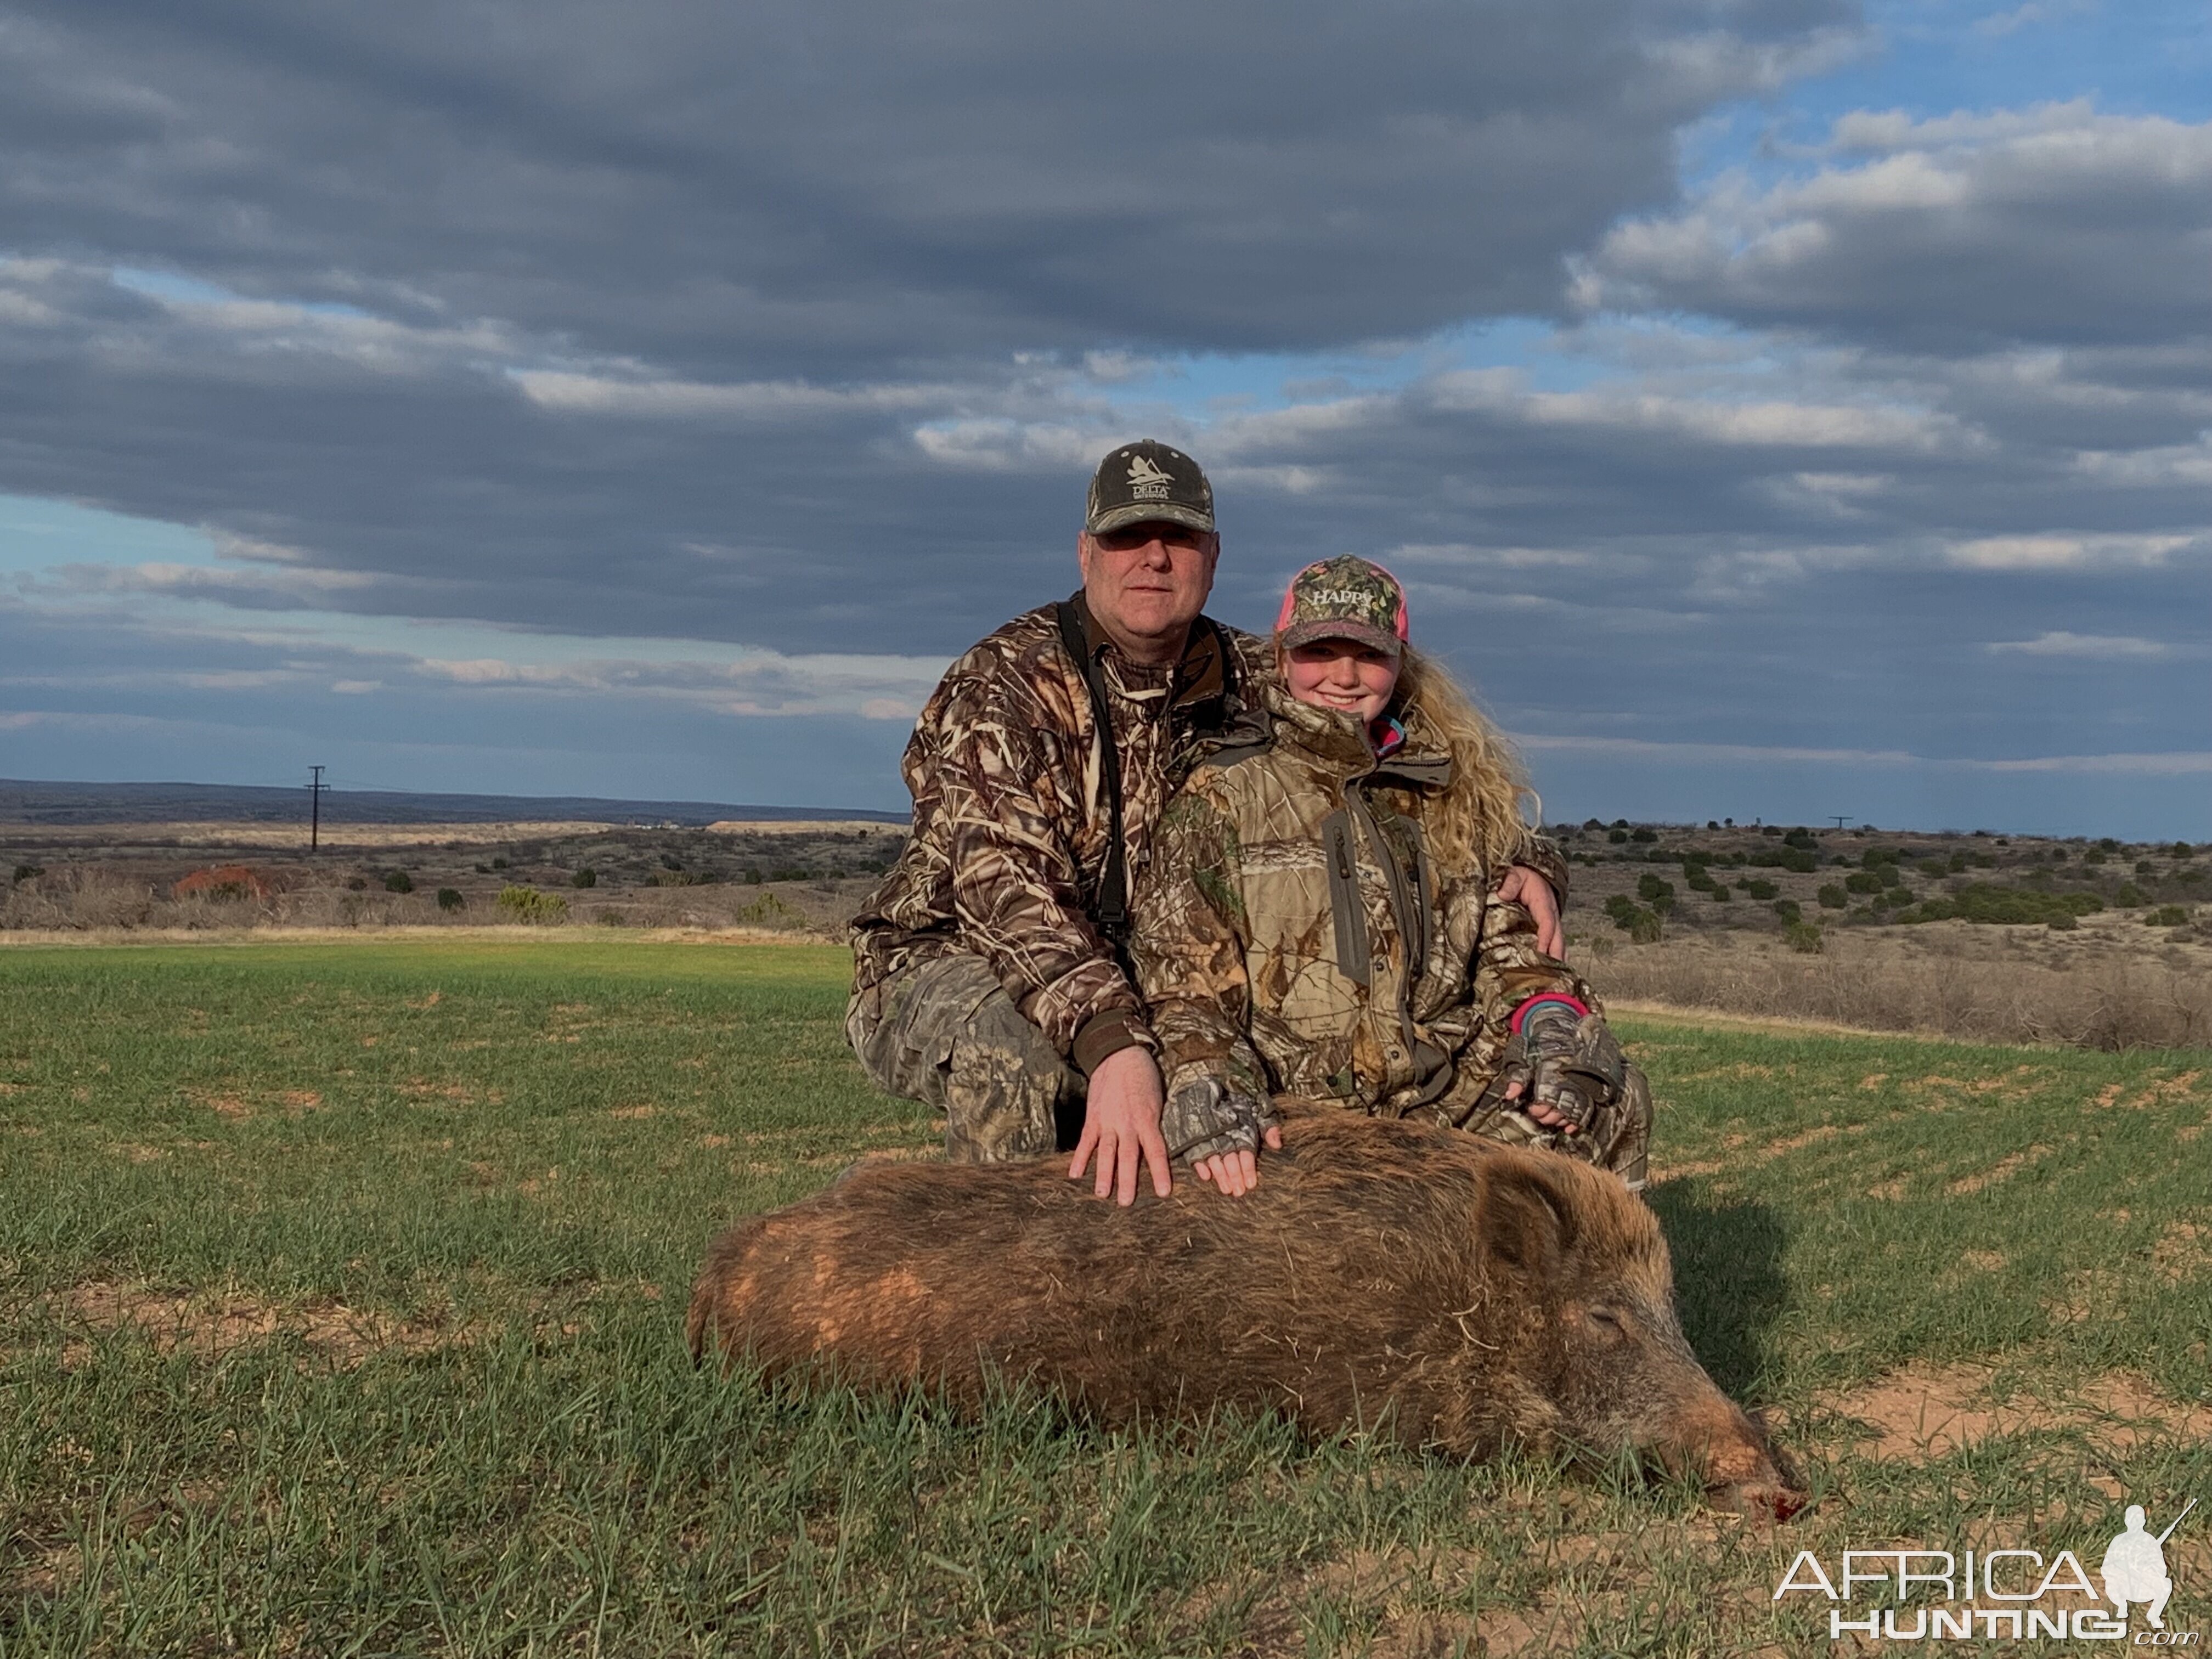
(1459,1293)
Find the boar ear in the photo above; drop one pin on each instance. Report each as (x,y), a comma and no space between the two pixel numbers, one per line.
(1527,1215)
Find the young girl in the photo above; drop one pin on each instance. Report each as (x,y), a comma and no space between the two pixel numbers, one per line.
(1316,918)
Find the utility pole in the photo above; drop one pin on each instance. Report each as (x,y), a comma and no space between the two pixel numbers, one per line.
(1841,819)
(315,809)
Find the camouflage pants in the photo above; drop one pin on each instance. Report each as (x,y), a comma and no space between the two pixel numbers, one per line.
(1618,1139)
(945,1032)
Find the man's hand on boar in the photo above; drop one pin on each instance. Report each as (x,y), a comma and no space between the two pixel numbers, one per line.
(1120,1124)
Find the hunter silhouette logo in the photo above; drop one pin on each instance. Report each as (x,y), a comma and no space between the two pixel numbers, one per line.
(1985,1594)
(2135,1567)
(1146,482)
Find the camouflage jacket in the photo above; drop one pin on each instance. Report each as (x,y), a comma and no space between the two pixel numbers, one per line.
(1292,936)
(1011,827)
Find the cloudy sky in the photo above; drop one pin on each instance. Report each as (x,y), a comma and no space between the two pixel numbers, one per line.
(1778,408)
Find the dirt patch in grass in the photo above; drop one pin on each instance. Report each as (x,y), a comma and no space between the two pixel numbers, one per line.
(211,1323)
(2183,1251)
(1921,1412)
(2003,1169)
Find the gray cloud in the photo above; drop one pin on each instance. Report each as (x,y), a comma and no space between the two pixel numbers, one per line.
(794,188)
(2058,225)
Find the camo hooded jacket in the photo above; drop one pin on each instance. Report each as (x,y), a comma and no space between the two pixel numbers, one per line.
(1293,937)
(1011,826)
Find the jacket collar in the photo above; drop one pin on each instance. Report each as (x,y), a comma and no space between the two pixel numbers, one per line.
(1337,741)
(1205,674)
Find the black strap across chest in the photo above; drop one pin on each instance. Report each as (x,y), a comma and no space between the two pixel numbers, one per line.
(1112,913)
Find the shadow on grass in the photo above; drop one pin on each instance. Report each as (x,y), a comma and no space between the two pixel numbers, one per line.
(1727,1279)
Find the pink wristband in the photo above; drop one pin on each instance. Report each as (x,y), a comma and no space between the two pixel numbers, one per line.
(1581,1008)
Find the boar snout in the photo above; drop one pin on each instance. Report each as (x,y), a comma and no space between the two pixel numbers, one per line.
(1716,1442)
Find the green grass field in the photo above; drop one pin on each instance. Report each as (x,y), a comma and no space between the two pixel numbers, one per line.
(341,1293)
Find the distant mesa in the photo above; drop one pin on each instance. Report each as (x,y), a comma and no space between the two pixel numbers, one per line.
(32,801)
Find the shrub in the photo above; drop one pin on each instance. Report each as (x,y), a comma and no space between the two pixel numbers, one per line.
(1789,910)
(2169,916)
(2142,866)
(1983,902)
(1617,836)
(2180,850)
(1799,838)
(1645,835)
(2130,896)
(1803,936)
(1862,881)
(358,885)
(400,882)
(2108,845)
(670,861)
(1718,893)
(1592,823)
(585,878)
(1932,868)
(1761,891)
(2093,857)
(1770,829)
(1833,897)
(499,864)
(1644,927)
(1877,855)
(25,871)
(2061,923)
(449,898)
(1619,907)
(1650,887)
(529,905)
(1899,895)
(1957,863)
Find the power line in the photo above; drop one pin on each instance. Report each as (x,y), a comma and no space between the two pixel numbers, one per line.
(315,809)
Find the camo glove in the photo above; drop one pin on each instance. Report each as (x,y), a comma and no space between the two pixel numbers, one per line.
(1203,1118)
(1565,1057)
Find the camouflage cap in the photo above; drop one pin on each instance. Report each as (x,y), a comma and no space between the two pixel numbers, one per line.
(1346,597)
(1147,480)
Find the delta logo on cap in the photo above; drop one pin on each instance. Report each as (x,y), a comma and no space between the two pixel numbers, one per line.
(1346,597)
(1148,480)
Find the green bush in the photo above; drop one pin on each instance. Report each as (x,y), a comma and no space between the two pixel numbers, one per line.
(1718,893)
(1803,936)
(499,864)
(1983,902)
(2061,923)
(1799,838)
(2093,856)
(1643,834)
(25,871)
(528,904)
(1761,891)
(449,898)
(1649,888)
(399,882)
(1863,881)
(1833,897)
(585,878)
(1617,836)
(1958,862)
(1899,895)
(2169,916)
(1788,909)
(2130,896)
(1645,928)
(357,884)
(2180,849)
(1933,868)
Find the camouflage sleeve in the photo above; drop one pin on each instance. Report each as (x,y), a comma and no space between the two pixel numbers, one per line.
(1189,955)
(1009,792)
(1509,969)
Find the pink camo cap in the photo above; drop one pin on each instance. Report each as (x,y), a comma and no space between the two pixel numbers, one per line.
(1346,598)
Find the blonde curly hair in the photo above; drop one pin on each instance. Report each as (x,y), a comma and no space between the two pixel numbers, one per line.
(1479,822)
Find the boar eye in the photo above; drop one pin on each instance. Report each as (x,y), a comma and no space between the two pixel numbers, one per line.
(1608,1322)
